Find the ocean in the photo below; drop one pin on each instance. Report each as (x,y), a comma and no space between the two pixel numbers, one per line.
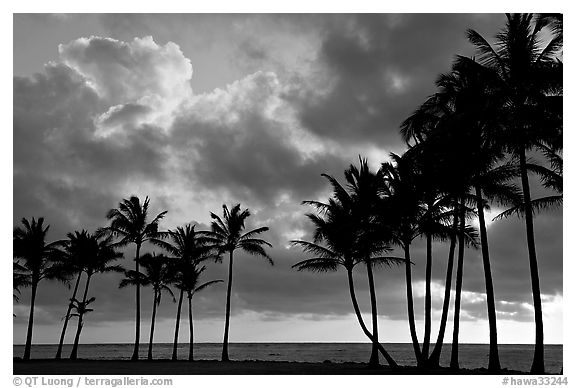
(516,357)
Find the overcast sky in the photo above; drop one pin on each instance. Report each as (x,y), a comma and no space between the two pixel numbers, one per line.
(200,110)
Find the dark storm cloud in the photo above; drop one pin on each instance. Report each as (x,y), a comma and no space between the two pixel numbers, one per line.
(381,67)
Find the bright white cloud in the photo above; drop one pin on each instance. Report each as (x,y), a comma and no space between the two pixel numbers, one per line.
(141,81)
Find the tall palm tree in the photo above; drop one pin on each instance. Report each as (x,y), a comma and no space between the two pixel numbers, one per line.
(530,77)
(336,244)
(228,232)
(363,193)
(159,274)
(404,210)
(72,256)
(37,259)
(130,223)
(98,255)
(188,279)
(188,247)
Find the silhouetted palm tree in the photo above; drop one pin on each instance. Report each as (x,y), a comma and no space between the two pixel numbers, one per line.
(404,211)
(228,232)
(159,274)
(530,77)
(37,258)
(129,222)
(187,280)
(336,244)
(98,254)
(188,247)
(363,193)
(72,256)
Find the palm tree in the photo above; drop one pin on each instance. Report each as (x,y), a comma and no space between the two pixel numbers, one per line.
(37,257)
(187,279)
(80,309)
(129,222)
(336,244)
(189,247)
(404,210)
(159,274)
(530,77)
(75,249)
(363,193)
(228,232)
(98,253)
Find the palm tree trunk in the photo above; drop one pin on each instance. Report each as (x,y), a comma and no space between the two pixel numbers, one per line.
(177,329)
(227,323)
(151,342)
(67,318)
(388,358)
(494,360)
(538,360)
(191,323)
(410,303)
(137,337)
(427,300)
(454,363)
(374,359)
(28,346)
(74,353)
(434,360)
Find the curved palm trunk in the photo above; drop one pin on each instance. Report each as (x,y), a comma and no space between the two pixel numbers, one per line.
(191,322)
(494,360)
(151,342)
(427,300)
(74,353)
(374,359)
(434,360)
(227,323)
(28,346)
(137,337)
(67,318)
(454,363)
(410,304)
(177,329)
(538,360)
(388,358)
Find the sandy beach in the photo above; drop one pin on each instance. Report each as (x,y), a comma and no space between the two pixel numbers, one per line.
(204,367)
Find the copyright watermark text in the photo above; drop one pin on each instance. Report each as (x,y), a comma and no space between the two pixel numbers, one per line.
(83,381)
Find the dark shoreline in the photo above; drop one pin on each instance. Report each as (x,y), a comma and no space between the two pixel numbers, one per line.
(213,367)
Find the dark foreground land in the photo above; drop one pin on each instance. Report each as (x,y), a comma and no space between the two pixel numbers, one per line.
(205,367)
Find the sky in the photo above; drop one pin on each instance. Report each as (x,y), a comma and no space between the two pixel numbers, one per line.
(196,111)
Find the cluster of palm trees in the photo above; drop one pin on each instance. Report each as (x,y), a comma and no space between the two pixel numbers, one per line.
(181,265)
(494,119)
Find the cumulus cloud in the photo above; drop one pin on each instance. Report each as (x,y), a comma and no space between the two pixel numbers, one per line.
(137,79)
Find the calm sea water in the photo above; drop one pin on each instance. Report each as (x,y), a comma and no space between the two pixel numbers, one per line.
(516,357)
